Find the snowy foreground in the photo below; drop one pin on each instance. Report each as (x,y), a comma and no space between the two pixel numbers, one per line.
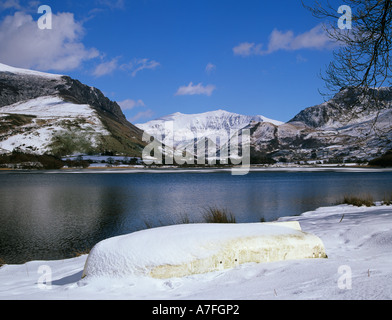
(359,266)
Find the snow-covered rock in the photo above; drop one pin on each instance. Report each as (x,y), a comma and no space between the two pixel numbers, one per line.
(183,250)
(13,70)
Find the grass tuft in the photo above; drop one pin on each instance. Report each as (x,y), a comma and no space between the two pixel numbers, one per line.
(359,201)
(387,200)
(216,215)
(81,253)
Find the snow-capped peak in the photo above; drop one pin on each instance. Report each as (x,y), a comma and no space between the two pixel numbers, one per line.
(187,127)
(7,68)
(210,115)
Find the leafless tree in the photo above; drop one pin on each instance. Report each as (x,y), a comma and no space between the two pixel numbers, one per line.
(362,58)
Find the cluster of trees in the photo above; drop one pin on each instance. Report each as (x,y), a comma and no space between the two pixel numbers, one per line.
(127,161)
(22,160)
(383,161)
(27,160)
(77,163)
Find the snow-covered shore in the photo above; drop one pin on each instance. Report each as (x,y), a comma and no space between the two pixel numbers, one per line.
(358,242)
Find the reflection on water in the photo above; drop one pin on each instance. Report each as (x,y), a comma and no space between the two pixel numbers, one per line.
(53,216)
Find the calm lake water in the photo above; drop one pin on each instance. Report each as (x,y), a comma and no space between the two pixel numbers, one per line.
(52,215)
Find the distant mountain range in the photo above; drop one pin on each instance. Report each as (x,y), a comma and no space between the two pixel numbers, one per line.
(179,130)
(348,127)
(45,113)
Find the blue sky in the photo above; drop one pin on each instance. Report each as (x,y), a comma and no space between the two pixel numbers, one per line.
(157,57)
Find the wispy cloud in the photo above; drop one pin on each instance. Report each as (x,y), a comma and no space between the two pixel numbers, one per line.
(134,66)
(106,68)
(137,65)
(10,4)
(198,89)
(142,115)
(130,104)
(117,4)
(300,59)
(210,68)
(246,49)
(316,38)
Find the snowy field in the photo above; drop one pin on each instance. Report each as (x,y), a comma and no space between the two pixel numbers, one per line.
(358,242)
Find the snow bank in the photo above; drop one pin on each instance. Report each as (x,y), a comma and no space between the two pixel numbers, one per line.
(358,267)
(182,250)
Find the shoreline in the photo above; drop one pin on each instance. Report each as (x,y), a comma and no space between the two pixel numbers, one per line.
(177,169)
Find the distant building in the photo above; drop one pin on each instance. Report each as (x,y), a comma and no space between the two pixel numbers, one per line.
(2,151)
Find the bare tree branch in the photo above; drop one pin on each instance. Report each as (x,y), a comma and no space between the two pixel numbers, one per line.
(362,60)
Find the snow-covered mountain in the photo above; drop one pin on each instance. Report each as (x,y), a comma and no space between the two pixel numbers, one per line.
(47,113)
(179,130)
(349,127)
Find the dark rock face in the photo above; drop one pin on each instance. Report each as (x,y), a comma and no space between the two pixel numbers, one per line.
(76,92)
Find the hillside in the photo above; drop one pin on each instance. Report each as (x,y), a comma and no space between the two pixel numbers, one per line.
(46,113)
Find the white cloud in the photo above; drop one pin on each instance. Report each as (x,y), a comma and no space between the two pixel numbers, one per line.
(129,104)
(105,68)
(198,89)
(315,38)
(247,49)
(142,115)
(24,45)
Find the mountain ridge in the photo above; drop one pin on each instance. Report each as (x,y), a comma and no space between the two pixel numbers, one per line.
(41,112)
(352,126)
(179,129)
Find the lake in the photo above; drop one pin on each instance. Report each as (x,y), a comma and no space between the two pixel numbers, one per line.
(56,215)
